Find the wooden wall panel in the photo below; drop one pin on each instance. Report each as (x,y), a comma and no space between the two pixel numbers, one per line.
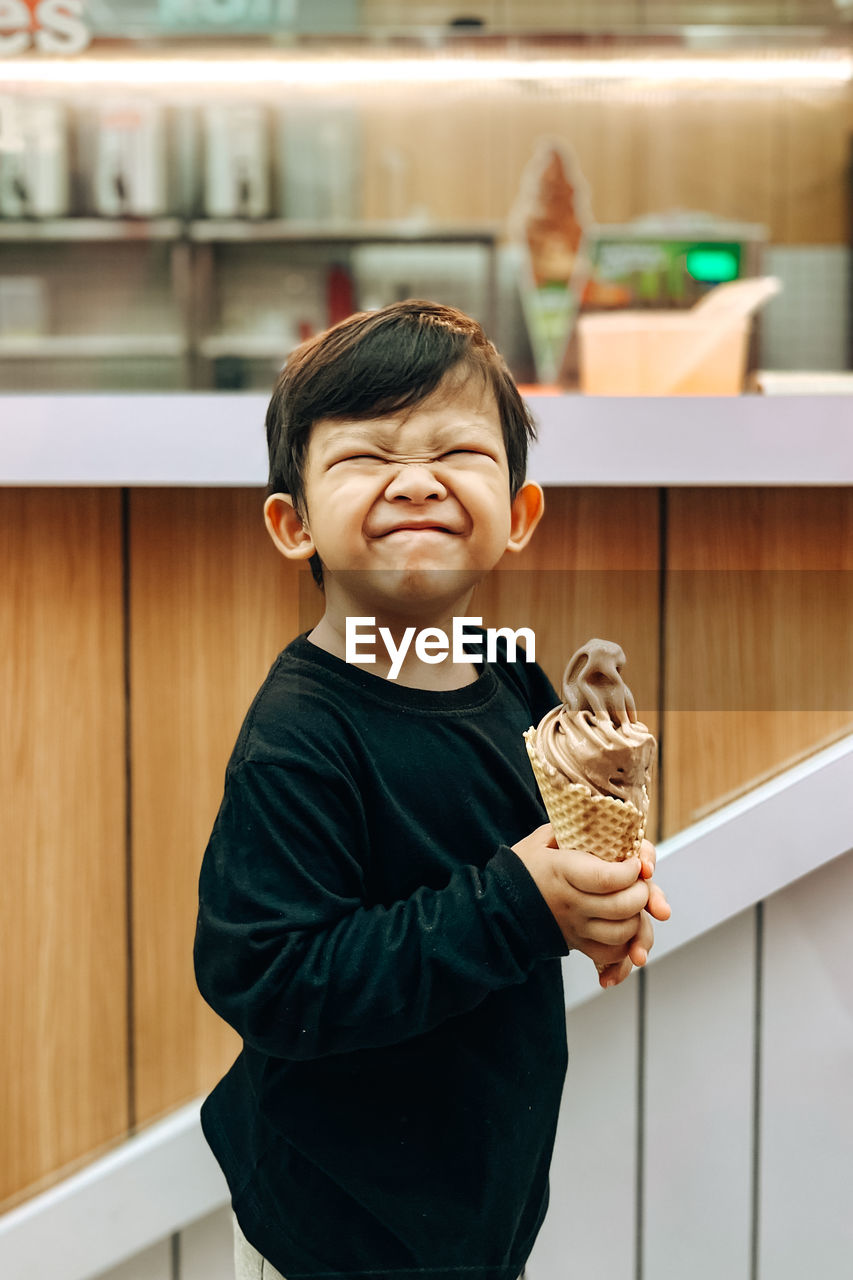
(62,797)
(759,637)
(212,603)
(777,156)
(711,149)
(446,163)
(591,569)
(814,159)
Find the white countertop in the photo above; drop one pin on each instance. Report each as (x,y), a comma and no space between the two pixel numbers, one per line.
(217,439)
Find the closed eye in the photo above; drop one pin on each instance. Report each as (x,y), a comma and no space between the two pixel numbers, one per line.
(474,453)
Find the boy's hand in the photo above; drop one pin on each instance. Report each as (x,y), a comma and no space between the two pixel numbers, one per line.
(604,909)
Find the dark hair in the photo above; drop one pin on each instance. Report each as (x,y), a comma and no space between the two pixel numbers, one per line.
(378,362)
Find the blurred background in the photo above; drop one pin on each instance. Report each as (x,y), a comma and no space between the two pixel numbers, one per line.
(225,178)
(188,189)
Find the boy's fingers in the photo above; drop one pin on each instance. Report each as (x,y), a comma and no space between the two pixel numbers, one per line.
(619,905)
(658,905)
(648,859)
(590,874)
(638,951)
(615,910)
(614,933)
(611,975)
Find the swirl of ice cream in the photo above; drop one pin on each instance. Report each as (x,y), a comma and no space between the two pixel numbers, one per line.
(552,229)
(594,737)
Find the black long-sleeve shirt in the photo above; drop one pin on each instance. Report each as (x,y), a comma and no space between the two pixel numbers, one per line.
(392,969)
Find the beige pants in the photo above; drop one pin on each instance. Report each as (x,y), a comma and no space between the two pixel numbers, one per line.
(248,1263)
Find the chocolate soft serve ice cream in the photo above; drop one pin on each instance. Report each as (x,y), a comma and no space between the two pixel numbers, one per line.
(552,228)
(593,758)
(550,225)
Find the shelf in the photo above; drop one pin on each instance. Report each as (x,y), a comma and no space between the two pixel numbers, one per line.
(280,229)
(93,346)
(246,346)
(211,230)
(217,439)
(93,229)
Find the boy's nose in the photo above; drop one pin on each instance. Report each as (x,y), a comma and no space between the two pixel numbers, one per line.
(415,481)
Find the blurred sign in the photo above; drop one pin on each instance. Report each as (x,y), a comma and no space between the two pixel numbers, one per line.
(69,26)
(230,15)
(46,26)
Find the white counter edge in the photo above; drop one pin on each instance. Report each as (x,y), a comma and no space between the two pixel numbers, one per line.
(217,439)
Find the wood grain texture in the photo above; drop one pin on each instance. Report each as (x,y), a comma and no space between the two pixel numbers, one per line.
(814,160)
(591,569)
(759,637)
(772,155)
(212,604)
(711,148)
(62,795)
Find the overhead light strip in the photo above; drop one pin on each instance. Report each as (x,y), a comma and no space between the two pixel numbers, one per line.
(303,72)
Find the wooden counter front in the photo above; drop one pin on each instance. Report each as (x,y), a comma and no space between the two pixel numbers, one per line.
(138,625)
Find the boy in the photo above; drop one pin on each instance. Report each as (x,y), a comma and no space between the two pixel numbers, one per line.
(382,911)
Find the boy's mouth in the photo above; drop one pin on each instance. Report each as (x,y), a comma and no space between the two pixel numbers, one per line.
(414,526)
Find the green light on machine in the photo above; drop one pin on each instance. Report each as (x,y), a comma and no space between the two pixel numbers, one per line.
(713,264)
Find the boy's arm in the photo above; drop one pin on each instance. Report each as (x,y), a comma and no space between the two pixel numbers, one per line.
(289,953)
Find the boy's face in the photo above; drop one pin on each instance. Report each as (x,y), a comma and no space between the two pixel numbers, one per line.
(407,512)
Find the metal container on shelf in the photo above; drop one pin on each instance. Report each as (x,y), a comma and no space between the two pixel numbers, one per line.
(129,178)
(236,170)
(33,158)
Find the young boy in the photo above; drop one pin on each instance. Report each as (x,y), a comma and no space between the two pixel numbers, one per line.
(382,911)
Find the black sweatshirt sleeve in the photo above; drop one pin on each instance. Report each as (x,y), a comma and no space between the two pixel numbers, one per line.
(289,953)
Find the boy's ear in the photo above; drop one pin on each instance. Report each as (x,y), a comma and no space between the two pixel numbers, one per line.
(527,508)
(286,527)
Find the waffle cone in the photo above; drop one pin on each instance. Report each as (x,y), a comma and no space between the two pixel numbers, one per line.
(611,829)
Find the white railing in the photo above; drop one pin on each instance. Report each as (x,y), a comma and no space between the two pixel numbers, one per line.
(742,853)
(157,1183)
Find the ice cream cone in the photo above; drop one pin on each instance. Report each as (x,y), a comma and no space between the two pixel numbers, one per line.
(611,829)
